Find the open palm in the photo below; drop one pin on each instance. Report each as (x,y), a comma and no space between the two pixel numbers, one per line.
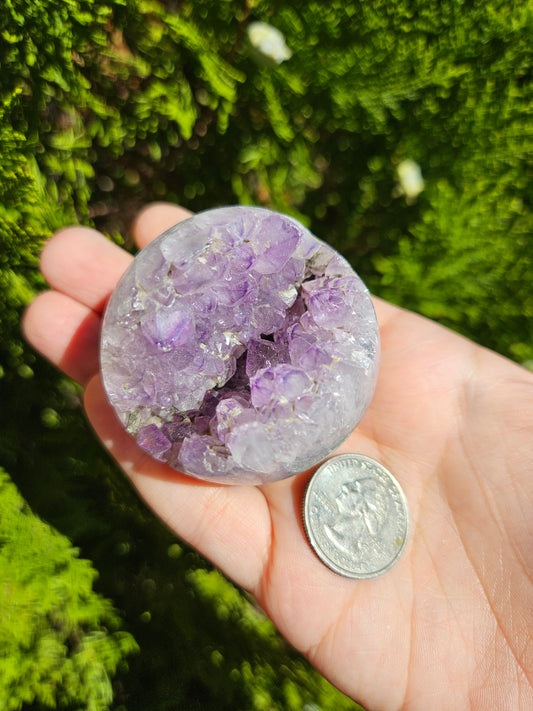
(449,627)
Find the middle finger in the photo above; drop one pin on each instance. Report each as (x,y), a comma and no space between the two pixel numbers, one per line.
(81,263)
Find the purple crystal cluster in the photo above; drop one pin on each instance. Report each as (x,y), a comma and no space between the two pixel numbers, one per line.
(239,348)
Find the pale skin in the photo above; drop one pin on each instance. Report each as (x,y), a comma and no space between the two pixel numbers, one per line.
(449,626)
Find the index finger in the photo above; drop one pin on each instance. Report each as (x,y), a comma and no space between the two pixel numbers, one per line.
(156,218)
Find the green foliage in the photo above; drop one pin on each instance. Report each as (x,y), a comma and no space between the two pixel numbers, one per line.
(107,104)
(58,639)
(474,290)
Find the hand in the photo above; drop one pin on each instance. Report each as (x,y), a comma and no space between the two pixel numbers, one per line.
(450,625)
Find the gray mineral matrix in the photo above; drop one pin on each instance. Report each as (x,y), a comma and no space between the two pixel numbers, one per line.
(239,348)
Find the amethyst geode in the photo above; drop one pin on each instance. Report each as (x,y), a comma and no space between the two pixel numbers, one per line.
(239,348)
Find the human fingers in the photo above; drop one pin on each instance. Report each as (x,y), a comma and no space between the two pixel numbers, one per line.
(66,332)
(228,524)
(154,219)
(81,263)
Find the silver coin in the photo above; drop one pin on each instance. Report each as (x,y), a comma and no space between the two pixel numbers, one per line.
(355,516)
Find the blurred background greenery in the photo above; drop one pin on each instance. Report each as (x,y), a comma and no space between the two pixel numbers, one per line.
(400,132)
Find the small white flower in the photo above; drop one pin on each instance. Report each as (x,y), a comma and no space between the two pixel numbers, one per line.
(267,43)
(410,177)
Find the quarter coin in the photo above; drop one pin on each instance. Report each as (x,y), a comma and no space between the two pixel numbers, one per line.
(355,516)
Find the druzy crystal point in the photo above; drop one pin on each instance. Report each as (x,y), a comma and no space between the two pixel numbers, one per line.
(239,348)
